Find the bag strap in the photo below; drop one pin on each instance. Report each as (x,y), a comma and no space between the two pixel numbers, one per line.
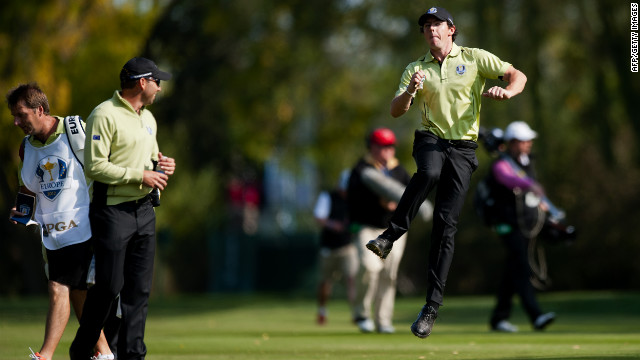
(22,146)
(76,135)
(553,210)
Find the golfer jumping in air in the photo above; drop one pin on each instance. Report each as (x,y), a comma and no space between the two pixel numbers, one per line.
(447,84)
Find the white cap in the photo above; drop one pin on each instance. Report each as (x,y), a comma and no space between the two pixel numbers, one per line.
(519,130)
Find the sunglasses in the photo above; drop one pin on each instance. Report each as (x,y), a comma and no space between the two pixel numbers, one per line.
(157,81)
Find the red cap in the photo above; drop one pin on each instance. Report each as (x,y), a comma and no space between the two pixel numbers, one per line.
(382,137)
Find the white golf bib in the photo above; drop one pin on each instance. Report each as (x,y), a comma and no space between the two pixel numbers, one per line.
(55,175)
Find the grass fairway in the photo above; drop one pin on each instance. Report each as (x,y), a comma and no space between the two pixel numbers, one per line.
(599,325)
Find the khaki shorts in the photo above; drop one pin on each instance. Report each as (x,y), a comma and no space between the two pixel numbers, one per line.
(338,263)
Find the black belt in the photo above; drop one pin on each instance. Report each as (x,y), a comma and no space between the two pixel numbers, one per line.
(144,199)
(138,202)
(463,144)
(126,204)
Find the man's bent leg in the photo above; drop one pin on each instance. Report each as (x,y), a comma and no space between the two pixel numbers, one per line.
(429,161)
(414,195)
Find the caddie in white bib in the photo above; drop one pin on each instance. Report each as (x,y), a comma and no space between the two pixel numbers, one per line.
(55,175)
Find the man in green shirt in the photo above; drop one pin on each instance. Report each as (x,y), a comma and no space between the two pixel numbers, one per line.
(121,154)
(447,84)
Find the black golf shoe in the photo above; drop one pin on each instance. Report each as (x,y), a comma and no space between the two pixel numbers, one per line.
(380,246)
(424,323)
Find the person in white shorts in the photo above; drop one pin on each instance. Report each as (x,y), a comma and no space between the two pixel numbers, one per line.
(338,255)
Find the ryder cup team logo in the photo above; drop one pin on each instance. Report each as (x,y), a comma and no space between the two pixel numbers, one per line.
(52,172)
(25,209)
(461,69)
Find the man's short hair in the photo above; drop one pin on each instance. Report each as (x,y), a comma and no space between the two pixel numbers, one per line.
(31,94)
(128,83)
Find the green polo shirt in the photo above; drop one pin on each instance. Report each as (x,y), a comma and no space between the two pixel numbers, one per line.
(120,145)
(451,94)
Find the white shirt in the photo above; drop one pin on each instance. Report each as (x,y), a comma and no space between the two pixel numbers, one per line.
(323,206)
(54,174)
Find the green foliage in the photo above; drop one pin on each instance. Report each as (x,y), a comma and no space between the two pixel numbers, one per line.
(303,82)
(307,80)
(74,50)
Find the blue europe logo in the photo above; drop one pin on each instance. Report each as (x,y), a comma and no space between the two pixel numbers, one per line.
(52,175)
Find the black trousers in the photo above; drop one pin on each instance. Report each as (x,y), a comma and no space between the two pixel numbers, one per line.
(448,164)
(515,279)
(124,245)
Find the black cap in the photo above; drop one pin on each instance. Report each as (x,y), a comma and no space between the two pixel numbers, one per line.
(140,67)
(437,12)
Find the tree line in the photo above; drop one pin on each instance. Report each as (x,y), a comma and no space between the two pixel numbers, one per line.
(303,81)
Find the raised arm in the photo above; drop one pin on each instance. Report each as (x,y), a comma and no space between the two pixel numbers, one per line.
(516,79)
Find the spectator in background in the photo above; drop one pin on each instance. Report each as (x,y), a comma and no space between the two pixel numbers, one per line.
(338,255)
(369,213)
(243,197)
(511,178)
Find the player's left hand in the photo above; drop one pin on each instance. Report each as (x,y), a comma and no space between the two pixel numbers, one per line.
(498,93)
